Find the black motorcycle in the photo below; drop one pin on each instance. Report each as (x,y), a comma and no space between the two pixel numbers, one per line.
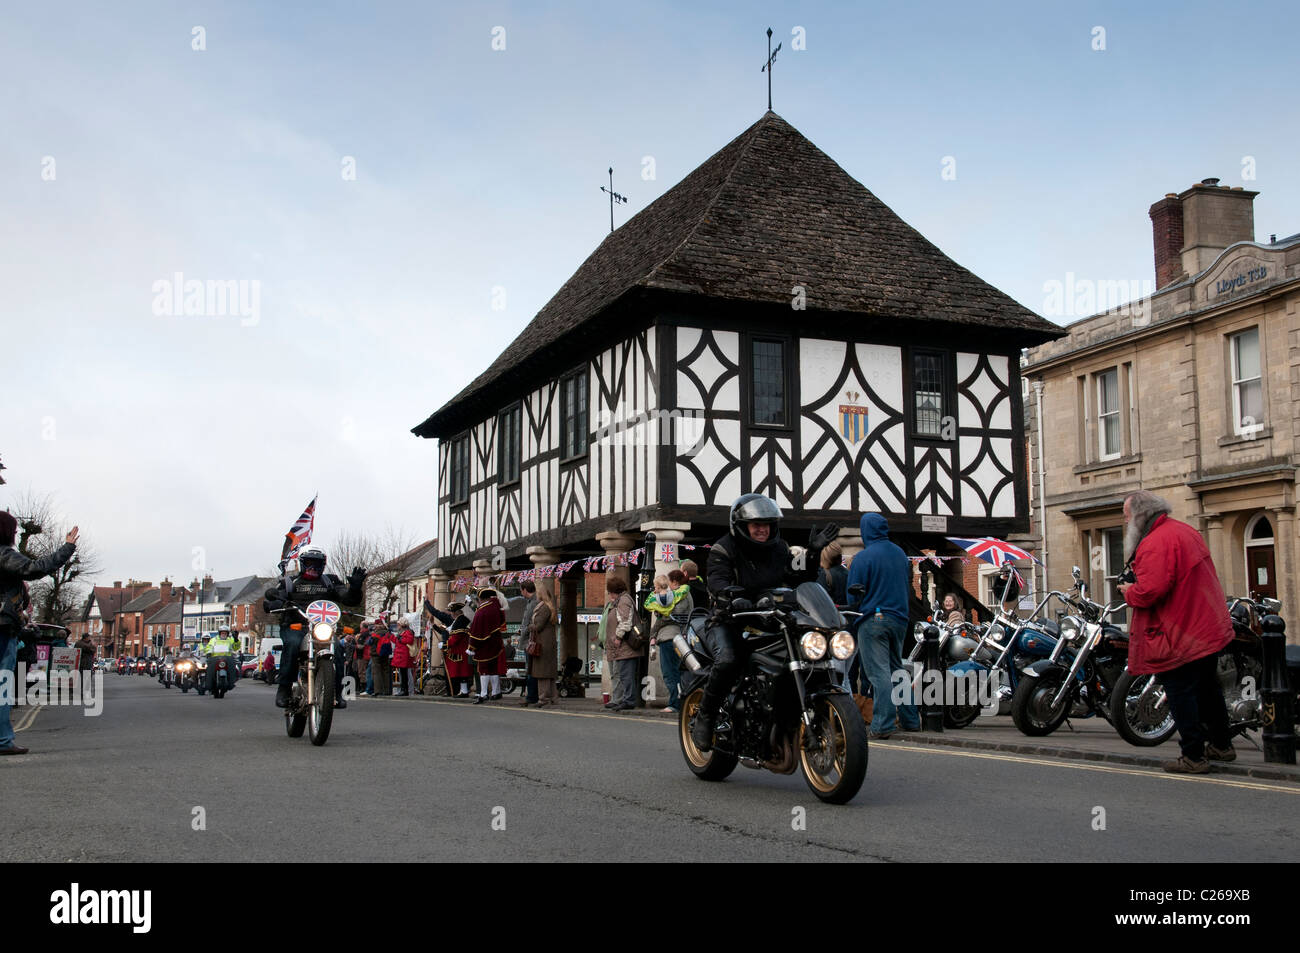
(221,674)
(787,709)
(186,675)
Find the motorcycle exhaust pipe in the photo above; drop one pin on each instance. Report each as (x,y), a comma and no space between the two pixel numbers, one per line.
(686,653)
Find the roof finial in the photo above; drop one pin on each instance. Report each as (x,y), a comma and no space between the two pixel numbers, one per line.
(767,67)
(613,197)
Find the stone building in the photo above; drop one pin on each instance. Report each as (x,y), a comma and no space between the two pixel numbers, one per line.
(1191,394)
(766,325)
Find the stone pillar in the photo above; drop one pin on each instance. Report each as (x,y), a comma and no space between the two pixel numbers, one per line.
(665,533)
(1284,560)
(850,541)
(440,584)
(615,544)
(565,593)
(1214,540)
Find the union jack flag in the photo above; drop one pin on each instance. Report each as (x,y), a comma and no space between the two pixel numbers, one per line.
(300,534)
(995,551)
(667,552)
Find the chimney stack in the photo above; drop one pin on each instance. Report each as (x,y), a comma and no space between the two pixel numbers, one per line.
(165,591)
(117,584)
(1167,234)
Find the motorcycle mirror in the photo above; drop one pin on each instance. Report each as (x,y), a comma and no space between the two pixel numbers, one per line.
(1077,572)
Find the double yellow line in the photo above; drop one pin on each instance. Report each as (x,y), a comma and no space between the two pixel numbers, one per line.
(27,717)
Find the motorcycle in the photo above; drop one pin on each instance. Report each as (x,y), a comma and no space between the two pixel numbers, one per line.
(185,675)
(165,673)
(1240,672)
(787,710)
(1083,676)
(312,703)
(223,679)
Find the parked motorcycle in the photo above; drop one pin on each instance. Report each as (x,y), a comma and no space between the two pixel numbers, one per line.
(312,703)
(1083,677)
(787,709)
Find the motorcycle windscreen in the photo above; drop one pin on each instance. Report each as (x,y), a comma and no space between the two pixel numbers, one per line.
(816,608)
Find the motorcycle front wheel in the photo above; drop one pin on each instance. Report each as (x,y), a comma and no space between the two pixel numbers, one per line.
(321,712)
(1136,713)
(835,763)
(1031,705)
(707,766)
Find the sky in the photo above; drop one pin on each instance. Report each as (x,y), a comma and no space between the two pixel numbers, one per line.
(393,190)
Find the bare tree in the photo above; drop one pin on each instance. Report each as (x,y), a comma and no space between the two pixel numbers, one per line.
(58,598)
(397,552)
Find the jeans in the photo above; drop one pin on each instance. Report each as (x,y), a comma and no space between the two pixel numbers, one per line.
(8,659)
(530,693)
(627,683)
(881,646)
(370,675)
(669,664)
(1196,702)
(292,639)
(406,680)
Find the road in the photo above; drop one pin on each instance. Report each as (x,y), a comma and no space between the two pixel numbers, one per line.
(164,776)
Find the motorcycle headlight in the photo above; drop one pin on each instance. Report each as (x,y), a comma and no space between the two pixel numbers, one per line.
(1071,629)
(813,645)
(842,645)
(322,631)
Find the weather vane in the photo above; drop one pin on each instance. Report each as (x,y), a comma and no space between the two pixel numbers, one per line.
(613,197)
(767,67)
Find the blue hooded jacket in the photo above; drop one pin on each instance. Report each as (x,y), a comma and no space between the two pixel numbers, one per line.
(882,569)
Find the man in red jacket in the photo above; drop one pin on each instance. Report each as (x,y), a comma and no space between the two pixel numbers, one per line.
(1180,623)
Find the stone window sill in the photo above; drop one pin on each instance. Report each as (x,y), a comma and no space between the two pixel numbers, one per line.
(1109,464)
(1238,440)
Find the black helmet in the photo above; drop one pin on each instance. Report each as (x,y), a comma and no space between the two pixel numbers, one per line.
(755,508)
(312,562)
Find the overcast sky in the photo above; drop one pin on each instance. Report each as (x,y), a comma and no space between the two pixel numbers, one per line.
(128,156)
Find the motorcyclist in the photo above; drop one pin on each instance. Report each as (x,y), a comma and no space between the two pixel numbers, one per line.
(311,583)
(223,644)
(754,557)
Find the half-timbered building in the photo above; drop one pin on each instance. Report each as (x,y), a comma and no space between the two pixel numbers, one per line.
(766,325)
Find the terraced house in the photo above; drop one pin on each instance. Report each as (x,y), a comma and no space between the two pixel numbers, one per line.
(766,325)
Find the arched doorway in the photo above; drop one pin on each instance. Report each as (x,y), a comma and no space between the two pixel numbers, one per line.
(1261,576)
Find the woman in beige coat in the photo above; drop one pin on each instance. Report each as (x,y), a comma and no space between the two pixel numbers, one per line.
(543,667)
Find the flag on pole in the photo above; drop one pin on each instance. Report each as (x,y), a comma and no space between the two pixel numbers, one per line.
(995,551)
(299,534)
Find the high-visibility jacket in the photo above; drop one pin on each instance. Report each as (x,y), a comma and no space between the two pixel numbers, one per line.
(219,646)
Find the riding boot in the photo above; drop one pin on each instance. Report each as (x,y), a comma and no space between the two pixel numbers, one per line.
(283,696)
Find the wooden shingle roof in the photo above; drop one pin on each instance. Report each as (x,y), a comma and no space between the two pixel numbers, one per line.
(767,212)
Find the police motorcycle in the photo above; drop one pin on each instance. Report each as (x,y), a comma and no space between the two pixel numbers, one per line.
(312,703)
(1081,674)
(787,711)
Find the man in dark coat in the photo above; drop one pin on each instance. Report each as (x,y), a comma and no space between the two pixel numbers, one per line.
(754,557)
(15,571)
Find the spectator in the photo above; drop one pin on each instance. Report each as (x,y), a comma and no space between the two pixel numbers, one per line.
(699,592)
(382,657)
(85,655)
(670,607)
(1180,624)
(403,640)
(529,589)
(885,575)
(365,649)
(951,609)
(15,570)
(544,666)
(620,613)
(833,576)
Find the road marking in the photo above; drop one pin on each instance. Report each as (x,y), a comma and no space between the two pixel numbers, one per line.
(27,717)
(568,714)
(1088,766)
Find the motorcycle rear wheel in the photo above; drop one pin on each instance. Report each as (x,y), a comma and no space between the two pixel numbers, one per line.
(960,716)
(321,713)
(837,765)
(1030,705)
(1139,722)
(707,766)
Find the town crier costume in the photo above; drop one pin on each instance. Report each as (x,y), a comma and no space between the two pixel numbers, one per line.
(454,657)
(486,640)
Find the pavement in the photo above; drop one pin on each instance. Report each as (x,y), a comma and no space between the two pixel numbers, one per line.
(1088,739)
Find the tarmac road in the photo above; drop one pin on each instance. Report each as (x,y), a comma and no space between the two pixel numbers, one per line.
(413,779)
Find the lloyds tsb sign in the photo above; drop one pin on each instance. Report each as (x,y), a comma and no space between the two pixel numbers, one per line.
(1248,277)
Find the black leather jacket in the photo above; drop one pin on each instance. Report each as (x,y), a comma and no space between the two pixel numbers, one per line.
(755,568)
(303,592)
